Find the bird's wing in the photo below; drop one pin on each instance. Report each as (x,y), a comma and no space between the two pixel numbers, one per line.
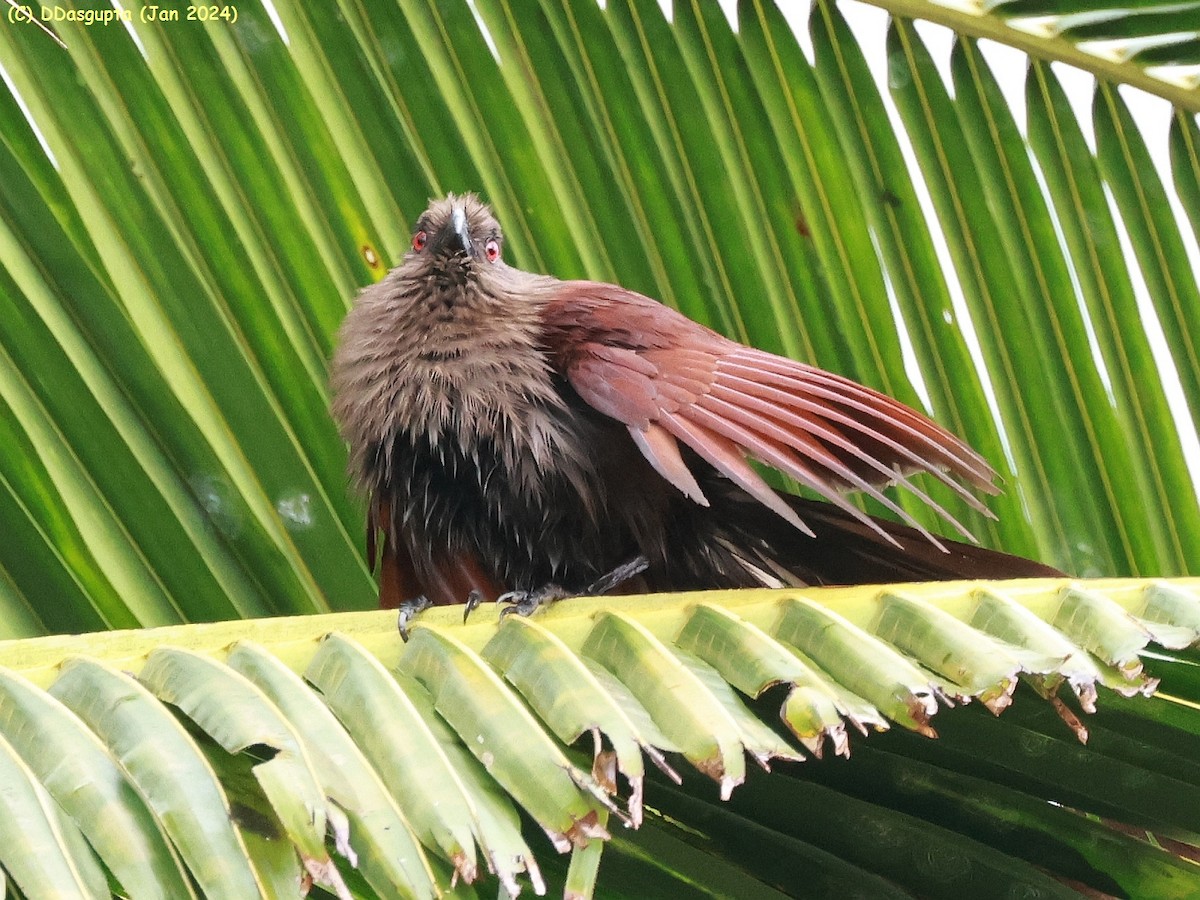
(671,380)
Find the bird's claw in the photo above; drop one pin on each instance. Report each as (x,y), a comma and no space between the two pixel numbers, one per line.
(408,611)
(525,603)
(473,600)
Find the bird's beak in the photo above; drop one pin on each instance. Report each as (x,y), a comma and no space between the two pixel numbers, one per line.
(459,236)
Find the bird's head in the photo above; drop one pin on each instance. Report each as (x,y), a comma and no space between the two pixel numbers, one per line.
(455,236)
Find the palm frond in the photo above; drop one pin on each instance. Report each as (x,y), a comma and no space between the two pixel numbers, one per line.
(186,210)
(1150,44)
(179,248)
(244,754)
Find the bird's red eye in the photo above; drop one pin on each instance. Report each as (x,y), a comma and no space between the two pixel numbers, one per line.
(492,250)
(420,239)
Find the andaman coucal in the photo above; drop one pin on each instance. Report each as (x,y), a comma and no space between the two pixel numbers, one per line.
(517,433)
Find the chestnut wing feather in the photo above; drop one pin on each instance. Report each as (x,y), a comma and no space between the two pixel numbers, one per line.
(670,380)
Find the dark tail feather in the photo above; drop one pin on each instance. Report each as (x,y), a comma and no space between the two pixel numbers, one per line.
(848,551)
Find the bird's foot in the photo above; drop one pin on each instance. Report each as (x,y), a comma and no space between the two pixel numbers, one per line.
(524,603)
(408,611)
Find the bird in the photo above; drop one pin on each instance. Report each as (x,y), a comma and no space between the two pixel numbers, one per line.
(523,438)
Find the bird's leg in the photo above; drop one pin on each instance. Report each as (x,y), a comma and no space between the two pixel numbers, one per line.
(523,603)
(408,610)
(617,576)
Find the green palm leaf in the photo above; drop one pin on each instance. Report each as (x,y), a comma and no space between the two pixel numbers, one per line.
(442,738)
(186,210)
(1151,44)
